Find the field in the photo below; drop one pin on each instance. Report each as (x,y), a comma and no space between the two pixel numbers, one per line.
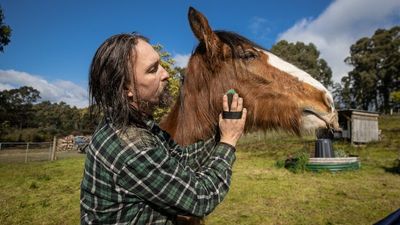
(261,193)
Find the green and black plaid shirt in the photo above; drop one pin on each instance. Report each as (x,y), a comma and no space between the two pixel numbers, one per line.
(141,176)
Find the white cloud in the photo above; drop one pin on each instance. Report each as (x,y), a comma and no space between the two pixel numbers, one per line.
(59,90)
(259,27)
(181,60)
(341,25)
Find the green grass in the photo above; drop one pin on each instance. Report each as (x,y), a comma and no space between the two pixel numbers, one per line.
(40,192)
(261,193)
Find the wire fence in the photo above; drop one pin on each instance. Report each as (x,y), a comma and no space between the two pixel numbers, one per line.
(35,151)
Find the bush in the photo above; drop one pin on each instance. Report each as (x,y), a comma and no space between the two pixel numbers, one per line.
(295,164)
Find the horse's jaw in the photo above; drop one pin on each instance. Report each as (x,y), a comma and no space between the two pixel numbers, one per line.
(311,122)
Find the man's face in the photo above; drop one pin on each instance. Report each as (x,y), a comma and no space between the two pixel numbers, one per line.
(151,77)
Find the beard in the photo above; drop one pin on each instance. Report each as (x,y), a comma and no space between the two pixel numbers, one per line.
(165,100)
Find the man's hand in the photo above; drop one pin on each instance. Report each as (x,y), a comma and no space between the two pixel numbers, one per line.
(232,129)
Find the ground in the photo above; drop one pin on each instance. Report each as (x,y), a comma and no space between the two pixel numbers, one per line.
(261,193)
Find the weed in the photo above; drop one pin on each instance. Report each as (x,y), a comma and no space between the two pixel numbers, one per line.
(340,153)
(297,164)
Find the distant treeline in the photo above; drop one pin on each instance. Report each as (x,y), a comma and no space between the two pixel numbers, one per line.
(22,119)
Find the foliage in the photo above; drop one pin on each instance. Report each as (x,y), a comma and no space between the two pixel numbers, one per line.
(16,106)
(376,72)
(395,99)
(22,120)
(5,32)
(297,164)
(174,81)
(342,94)
(306,57)
(62,119)
(340,153)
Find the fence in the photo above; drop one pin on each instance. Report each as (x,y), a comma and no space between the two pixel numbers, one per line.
(33,151)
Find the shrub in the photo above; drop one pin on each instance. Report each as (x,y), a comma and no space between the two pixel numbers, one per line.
(295,164)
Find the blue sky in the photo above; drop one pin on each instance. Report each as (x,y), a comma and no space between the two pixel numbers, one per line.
(53,41)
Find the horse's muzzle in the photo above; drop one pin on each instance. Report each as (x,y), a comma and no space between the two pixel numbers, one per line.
(330,119)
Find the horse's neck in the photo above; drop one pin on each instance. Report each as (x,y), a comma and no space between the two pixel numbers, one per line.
(188,124)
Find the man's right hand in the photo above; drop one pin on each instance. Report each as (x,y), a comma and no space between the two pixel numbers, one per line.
(232,129)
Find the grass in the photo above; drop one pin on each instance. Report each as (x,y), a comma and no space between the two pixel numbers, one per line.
(40,192)
(261,193)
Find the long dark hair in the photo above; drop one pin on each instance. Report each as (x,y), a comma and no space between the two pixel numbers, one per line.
(110,75)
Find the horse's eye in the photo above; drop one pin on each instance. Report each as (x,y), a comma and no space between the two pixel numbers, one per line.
(249,55)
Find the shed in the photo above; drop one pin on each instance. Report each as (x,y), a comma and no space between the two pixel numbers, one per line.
(359,126)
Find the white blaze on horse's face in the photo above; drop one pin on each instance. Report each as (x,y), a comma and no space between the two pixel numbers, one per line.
(309,121)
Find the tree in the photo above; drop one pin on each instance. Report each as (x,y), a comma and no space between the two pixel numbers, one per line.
(395,97)
(16,106)
(22,119)
(58,117)
(174,81)
(306,57)
(181,72)
(342,95)
(5,32)
(376,72)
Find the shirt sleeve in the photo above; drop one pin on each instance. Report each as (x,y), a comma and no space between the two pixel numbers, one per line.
(161,180)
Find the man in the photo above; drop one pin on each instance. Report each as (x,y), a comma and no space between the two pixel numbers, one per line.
(134,172)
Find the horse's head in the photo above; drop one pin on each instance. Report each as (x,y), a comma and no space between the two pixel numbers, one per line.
(276,93)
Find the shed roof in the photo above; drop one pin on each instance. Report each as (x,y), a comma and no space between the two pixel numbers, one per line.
(358,111)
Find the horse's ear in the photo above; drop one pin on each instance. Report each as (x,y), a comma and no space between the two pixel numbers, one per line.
(202,30)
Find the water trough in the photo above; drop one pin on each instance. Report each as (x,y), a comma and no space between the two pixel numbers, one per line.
(325,159)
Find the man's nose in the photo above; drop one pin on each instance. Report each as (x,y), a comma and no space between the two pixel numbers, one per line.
(165,74)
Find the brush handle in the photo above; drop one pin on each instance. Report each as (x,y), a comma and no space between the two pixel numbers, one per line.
(230,98)
(230,94)
(228,114)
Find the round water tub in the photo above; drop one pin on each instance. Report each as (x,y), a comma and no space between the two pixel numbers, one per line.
(333,164)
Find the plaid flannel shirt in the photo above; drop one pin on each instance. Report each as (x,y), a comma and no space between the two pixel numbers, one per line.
(141,176)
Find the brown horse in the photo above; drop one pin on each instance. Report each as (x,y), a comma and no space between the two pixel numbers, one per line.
(276,94)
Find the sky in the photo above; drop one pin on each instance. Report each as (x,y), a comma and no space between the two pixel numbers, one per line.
(53,42)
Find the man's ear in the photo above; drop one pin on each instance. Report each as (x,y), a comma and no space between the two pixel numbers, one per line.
(203,32)
(129,93)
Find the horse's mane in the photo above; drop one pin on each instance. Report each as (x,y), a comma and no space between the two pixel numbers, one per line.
(233,40)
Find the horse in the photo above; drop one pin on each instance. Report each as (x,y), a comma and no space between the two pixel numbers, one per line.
(277,95)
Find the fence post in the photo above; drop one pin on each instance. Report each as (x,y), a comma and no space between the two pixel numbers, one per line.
(26,152)
(0,146)
(50,150)
(53,152)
